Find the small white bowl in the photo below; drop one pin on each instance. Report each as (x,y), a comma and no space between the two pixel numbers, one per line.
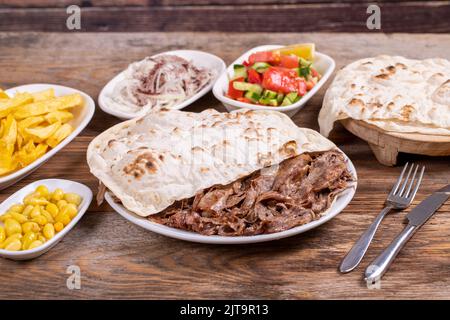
(323,64)
(198,58)
(341,201)
(51,184)
(82,116)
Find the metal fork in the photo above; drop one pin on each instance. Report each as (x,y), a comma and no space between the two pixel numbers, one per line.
(400,197)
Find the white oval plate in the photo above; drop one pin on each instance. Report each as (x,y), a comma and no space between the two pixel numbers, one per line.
(198,58)
(323,64)
(51,184)
(82,116)
(341,201)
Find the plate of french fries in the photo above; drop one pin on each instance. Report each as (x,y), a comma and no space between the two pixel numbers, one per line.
(36,121)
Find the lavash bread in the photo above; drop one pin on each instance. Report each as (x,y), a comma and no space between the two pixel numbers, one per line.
(165,156)
(393,93)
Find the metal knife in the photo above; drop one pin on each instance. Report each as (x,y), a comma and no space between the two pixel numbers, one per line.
(416,218)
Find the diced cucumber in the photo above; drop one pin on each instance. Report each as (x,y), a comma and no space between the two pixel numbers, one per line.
(286,102)
(253,96)
(293,96)
(268,101)
(264,100)
(280,97)
(290,98)
(261,66)
(245,86)
(273,102)
(239,71)
(298,71)
(269,94)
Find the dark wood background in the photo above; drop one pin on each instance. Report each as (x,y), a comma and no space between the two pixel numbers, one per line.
(225,15)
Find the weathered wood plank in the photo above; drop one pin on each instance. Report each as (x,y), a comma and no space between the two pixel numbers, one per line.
(421,17)
(120,260)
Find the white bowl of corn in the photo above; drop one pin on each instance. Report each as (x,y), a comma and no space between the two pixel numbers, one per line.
(38,216)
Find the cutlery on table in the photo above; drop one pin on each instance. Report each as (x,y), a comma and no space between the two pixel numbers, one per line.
(416,218)
(400,197)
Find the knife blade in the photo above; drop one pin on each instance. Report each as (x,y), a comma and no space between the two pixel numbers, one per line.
(424,210)
(416,218)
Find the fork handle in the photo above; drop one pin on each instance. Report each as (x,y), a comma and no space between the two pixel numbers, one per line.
(355,255)
(380,265)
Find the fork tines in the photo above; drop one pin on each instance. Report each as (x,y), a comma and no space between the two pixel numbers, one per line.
(405,189)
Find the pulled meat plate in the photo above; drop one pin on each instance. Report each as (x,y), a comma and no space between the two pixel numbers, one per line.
(299,194)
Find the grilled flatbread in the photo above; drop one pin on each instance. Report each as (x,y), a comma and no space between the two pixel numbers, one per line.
(151,162)
(393,93)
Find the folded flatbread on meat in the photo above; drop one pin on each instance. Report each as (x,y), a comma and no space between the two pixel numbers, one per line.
(393,93)
(240,173)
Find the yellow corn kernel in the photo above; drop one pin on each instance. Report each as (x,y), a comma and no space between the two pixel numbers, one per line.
(12,227)
(70,209)
(40,220)
(47,215)
(49,231)
(10,239)
(42,191)
(58,226)
(58,194)
(52,209)
(34,244)
(27,211)
(5,216)
(61,204)
(41,238)
(73,198)
(17,208)
(35,212)
(2,234)
(27,239)
(20,218)
(14,245)
(63,218)
(30,226)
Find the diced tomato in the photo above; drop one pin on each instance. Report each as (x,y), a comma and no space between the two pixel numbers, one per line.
(264,56)
(253,76)
(232,92)
(309,85)
(283,80)
(288,61)
(246,63)
(244,99)
(314,72)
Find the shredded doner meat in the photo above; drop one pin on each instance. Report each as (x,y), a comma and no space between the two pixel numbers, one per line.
(267,201)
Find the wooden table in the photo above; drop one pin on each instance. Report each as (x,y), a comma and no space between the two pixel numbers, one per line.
(120,260)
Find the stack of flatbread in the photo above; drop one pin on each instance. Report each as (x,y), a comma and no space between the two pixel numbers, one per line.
(393,93)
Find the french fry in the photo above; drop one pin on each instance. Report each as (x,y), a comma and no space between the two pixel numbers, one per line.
(61,116)
(10,130)
(8,105)
(60,134)
(3,95)
(43,95)
(41,133)
(46,106)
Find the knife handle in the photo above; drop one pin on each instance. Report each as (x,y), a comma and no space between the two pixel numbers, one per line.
(359,249)
(380,265)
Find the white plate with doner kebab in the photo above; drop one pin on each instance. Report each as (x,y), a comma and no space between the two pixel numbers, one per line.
(224,178)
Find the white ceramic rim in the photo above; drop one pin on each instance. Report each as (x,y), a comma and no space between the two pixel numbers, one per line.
(222,82)
(185,103)
(341,201)
(82,208)
(90,106)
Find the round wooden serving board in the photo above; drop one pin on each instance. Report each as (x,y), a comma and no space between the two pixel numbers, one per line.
(386,145)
